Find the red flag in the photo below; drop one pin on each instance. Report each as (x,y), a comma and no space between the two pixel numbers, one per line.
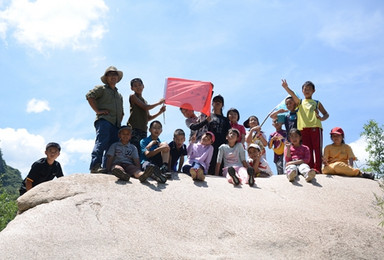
(190,94)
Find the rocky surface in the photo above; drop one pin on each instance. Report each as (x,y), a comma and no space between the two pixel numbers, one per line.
(84,216)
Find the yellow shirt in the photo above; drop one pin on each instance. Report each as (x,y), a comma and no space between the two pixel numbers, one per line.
(306,115)
(341,153)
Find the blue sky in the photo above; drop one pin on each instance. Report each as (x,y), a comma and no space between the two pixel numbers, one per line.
(53,51)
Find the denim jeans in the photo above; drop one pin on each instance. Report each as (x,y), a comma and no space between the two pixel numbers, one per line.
(106,134)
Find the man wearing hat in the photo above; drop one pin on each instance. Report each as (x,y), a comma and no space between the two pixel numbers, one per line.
(107,103)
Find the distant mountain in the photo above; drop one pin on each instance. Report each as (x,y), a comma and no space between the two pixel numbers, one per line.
(10,178)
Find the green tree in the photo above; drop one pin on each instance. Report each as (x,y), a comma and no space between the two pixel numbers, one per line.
(375,148)
(10,181)
(374,134)
(8,207)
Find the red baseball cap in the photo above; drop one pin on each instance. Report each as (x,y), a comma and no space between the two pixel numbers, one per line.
(337,130)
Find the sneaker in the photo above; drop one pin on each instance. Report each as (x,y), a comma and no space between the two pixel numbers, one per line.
(122,175)
(310,175)
(98,169)
(157,176)
(232,173)
(368,175)
(165,172)
(193,173)
(291,176)
(147,173)
(251,174)
(200,174)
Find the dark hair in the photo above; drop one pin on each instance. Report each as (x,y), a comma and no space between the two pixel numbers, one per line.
(295,131)
(125,127)
(289,97)
(52,144)
(179,132)
(220,99)
(136,80)
(308,83)
(246,122)
(155,122)
(343,142)
(234,110)
(234,130)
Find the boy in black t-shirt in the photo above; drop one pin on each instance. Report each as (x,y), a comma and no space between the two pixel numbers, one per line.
(43,170)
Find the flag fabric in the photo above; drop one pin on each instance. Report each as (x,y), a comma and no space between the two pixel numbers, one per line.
(189,94)
(279,106)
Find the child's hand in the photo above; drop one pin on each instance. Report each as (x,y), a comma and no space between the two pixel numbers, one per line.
(325,161)
(209,118)
(193,138)
(284,83)
(256,129)
(161,101)
(288,145)
(162,109)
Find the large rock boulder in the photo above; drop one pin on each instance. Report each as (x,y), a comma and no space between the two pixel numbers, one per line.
(85,216)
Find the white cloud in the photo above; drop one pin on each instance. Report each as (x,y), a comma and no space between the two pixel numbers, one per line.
(358,148)
(37,106)
(21,148)
(55,23)
(344,28)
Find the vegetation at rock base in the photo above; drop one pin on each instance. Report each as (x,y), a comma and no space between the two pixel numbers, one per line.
(10,180)
(374,134)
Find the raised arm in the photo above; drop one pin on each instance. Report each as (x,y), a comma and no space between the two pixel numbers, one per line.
(290,91)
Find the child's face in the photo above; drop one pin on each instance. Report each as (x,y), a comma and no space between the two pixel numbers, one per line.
(137,87)
(179,141)
(308,91)
(155,130)
(52,153)
(233,116)
(232,136)
(206,139)
(217,105)
(253,153)
(125,136)
(276,124)
(290,104)
(187,113)
(337,139)
(295,139)
(253,122)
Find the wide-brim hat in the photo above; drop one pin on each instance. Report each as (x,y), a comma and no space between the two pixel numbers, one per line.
(246,122)
(111,69)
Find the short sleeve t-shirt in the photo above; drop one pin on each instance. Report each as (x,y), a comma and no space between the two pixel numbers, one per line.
(123,153)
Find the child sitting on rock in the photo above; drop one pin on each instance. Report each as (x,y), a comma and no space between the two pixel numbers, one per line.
(123,158)
(257,162)
(43,170)
(297,158)
(199,156)
(233,155)
(155,152)
(177,150)
(338,157)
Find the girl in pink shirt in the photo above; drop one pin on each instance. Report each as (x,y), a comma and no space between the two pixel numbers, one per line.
(297,157)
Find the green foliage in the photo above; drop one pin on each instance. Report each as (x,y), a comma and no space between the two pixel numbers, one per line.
(375,140)
(8,208)
(10,181)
